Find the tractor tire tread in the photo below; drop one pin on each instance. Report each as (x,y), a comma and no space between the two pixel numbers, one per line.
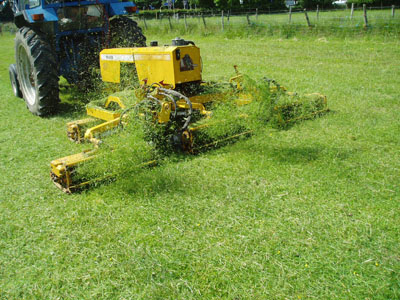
(45,68)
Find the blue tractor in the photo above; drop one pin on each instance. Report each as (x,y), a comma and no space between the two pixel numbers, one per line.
(63,38)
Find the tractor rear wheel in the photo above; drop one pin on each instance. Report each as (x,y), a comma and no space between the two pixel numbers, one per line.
(37,71)
(125,32)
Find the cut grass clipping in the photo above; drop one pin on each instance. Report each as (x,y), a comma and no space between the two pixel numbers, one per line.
(142,141)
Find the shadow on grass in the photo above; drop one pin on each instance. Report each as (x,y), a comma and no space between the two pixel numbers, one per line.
(73,99)
(296,155)
(165,178)
(168,179)
(148,182)
(259,146)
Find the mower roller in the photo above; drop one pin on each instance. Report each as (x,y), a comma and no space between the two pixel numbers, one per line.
(171,92)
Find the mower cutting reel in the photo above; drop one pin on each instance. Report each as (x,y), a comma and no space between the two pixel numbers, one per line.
(171,93)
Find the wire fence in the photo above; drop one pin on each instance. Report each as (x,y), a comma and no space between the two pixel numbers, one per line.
(255,11)
(384,19)
(360,17)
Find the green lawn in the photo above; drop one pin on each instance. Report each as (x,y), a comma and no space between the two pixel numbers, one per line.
(312,212)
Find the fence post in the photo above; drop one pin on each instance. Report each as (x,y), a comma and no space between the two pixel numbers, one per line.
(317,12)
(169,21)
(204,20)
(307,19)
(365,16)
(229,13)
(177,17)
(392,11)
(256,14)
(184,16)
(222,20)
(352,11)
(248,19)
(144,21)
(290,14)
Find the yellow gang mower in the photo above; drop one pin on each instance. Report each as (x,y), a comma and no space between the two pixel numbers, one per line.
(173,93)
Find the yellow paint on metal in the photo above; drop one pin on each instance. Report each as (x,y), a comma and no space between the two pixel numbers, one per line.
(114,99)
(195,105)
(101,113)
(244,98)
(110,62)
(74,129)
(207,98)
(237,79)
(61,169)
(168,65)
(165,113)
(91,132)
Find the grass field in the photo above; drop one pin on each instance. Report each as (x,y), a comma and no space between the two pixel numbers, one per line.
(312,212)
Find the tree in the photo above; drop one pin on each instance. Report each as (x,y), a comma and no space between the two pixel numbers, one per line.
(222,4)
(247,4)
(6,14)
(206,4)
(313,3)
(375,2)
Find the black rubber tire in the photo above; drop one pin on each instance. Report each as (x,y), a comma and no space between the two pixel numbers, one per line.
(125,32)
(12,71)
(37,71)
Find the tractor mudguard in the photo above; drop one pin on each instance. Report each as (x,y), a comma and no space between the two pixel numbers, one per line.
(49,14)
(119,8)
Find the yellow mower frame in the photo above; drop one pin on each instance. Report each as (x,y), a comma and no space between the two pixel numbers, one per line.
(160,69)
